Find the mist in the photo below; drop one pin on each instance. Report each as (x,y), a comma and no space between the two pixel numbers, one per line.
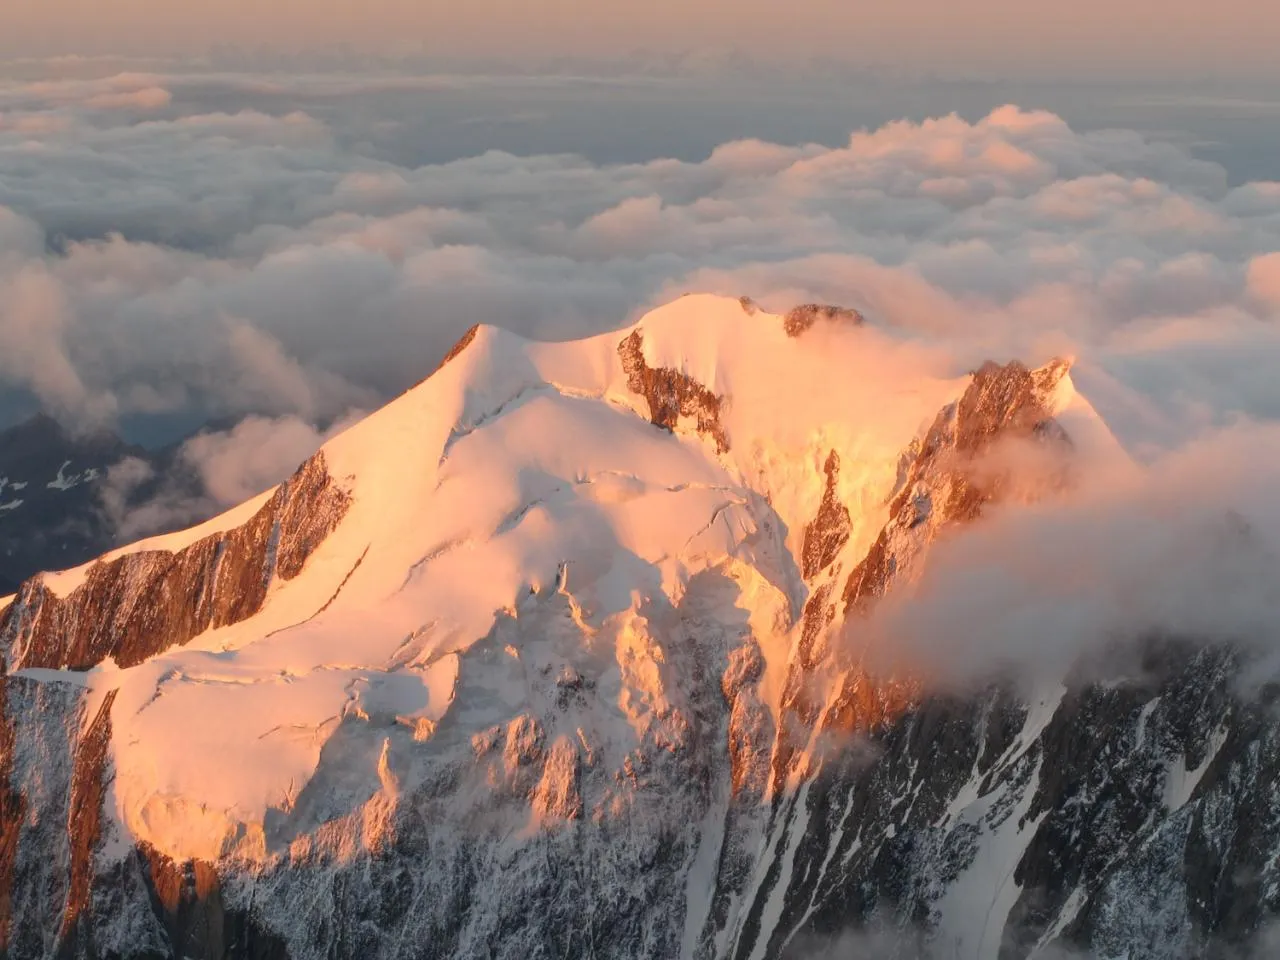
(1183,547)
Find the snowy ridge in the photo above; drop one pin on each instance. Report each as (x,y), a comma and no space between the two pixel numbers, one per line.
(558,672)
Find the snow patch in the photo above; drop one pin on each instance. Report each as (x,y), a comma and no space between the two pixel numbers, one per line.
(976,906)
(1140,734)
(1180,782)
(65,481)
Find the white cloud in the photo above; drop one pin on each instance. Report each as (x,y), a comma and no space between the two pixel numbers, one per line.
(1264,280)
(35,315)
(142,100)
(1184,547)
(213,471)
(244,253)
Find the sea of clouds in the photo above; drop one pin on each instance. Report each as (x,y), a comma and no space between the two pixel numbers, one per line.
(163,246)
(242,247)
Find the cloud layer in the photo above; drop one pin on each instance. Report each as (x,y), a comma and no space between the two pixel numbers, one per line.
(172,249)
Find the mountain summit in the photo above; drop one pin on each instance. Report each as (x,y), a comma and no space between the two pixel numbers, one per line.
(554,655)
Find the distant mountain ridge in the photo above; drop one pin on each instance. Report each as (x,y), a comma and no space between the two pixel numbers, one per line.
(50,515)
(52,479)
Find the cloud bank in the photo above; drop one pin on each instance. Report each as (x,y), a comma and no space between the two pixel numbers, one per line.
(171,249)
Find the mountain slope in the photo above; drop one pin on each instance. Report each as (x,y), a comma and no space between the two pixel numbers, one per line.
(552,656)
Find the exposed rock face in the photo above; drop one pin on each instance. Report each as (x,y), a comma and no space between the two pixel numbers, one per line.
(189,916)
(801,318)
(143,603)
(13,808)
(941,486)
(44,723)
(84,823)
(1106,843)
(829,532)
(464,341)
(671,394)
(1135,817)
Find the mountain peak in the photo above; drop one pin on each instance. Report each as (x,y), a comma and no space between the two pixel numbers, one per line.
(464,498)
(395,629)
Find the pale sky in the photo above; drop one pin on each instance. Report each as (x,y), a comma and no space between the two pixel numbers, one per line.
(1142,37)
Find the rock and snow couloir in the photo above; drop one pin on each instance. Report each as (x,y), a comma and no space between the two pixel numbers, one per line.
(542,659)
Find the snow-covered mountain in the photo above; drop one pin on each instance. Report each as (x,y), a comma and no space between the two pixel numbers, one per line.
(556,655)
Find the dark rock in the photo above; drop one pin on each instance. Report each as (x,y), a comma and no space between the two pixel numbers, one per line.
(801,318)
(671,394)
(826,536)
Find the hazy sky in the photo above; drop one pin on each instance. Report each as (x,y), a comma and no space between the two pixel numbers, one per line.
(1165,37)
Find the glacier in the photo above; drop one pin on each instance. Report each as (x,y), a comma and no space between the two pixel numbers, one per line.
(558,655)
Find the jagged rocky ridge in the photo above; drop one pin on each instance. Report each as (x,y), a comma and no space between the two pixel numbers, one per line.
(140,604)
(1126,818)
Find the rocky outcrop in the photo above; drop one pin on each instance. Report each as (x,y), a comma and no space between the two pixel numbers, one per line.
(462,343)
(142,603)
(89,779)
(194,918)
(13,809)
(802,318)
(826,536)
(43,723)
(671,394)
(947,482)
